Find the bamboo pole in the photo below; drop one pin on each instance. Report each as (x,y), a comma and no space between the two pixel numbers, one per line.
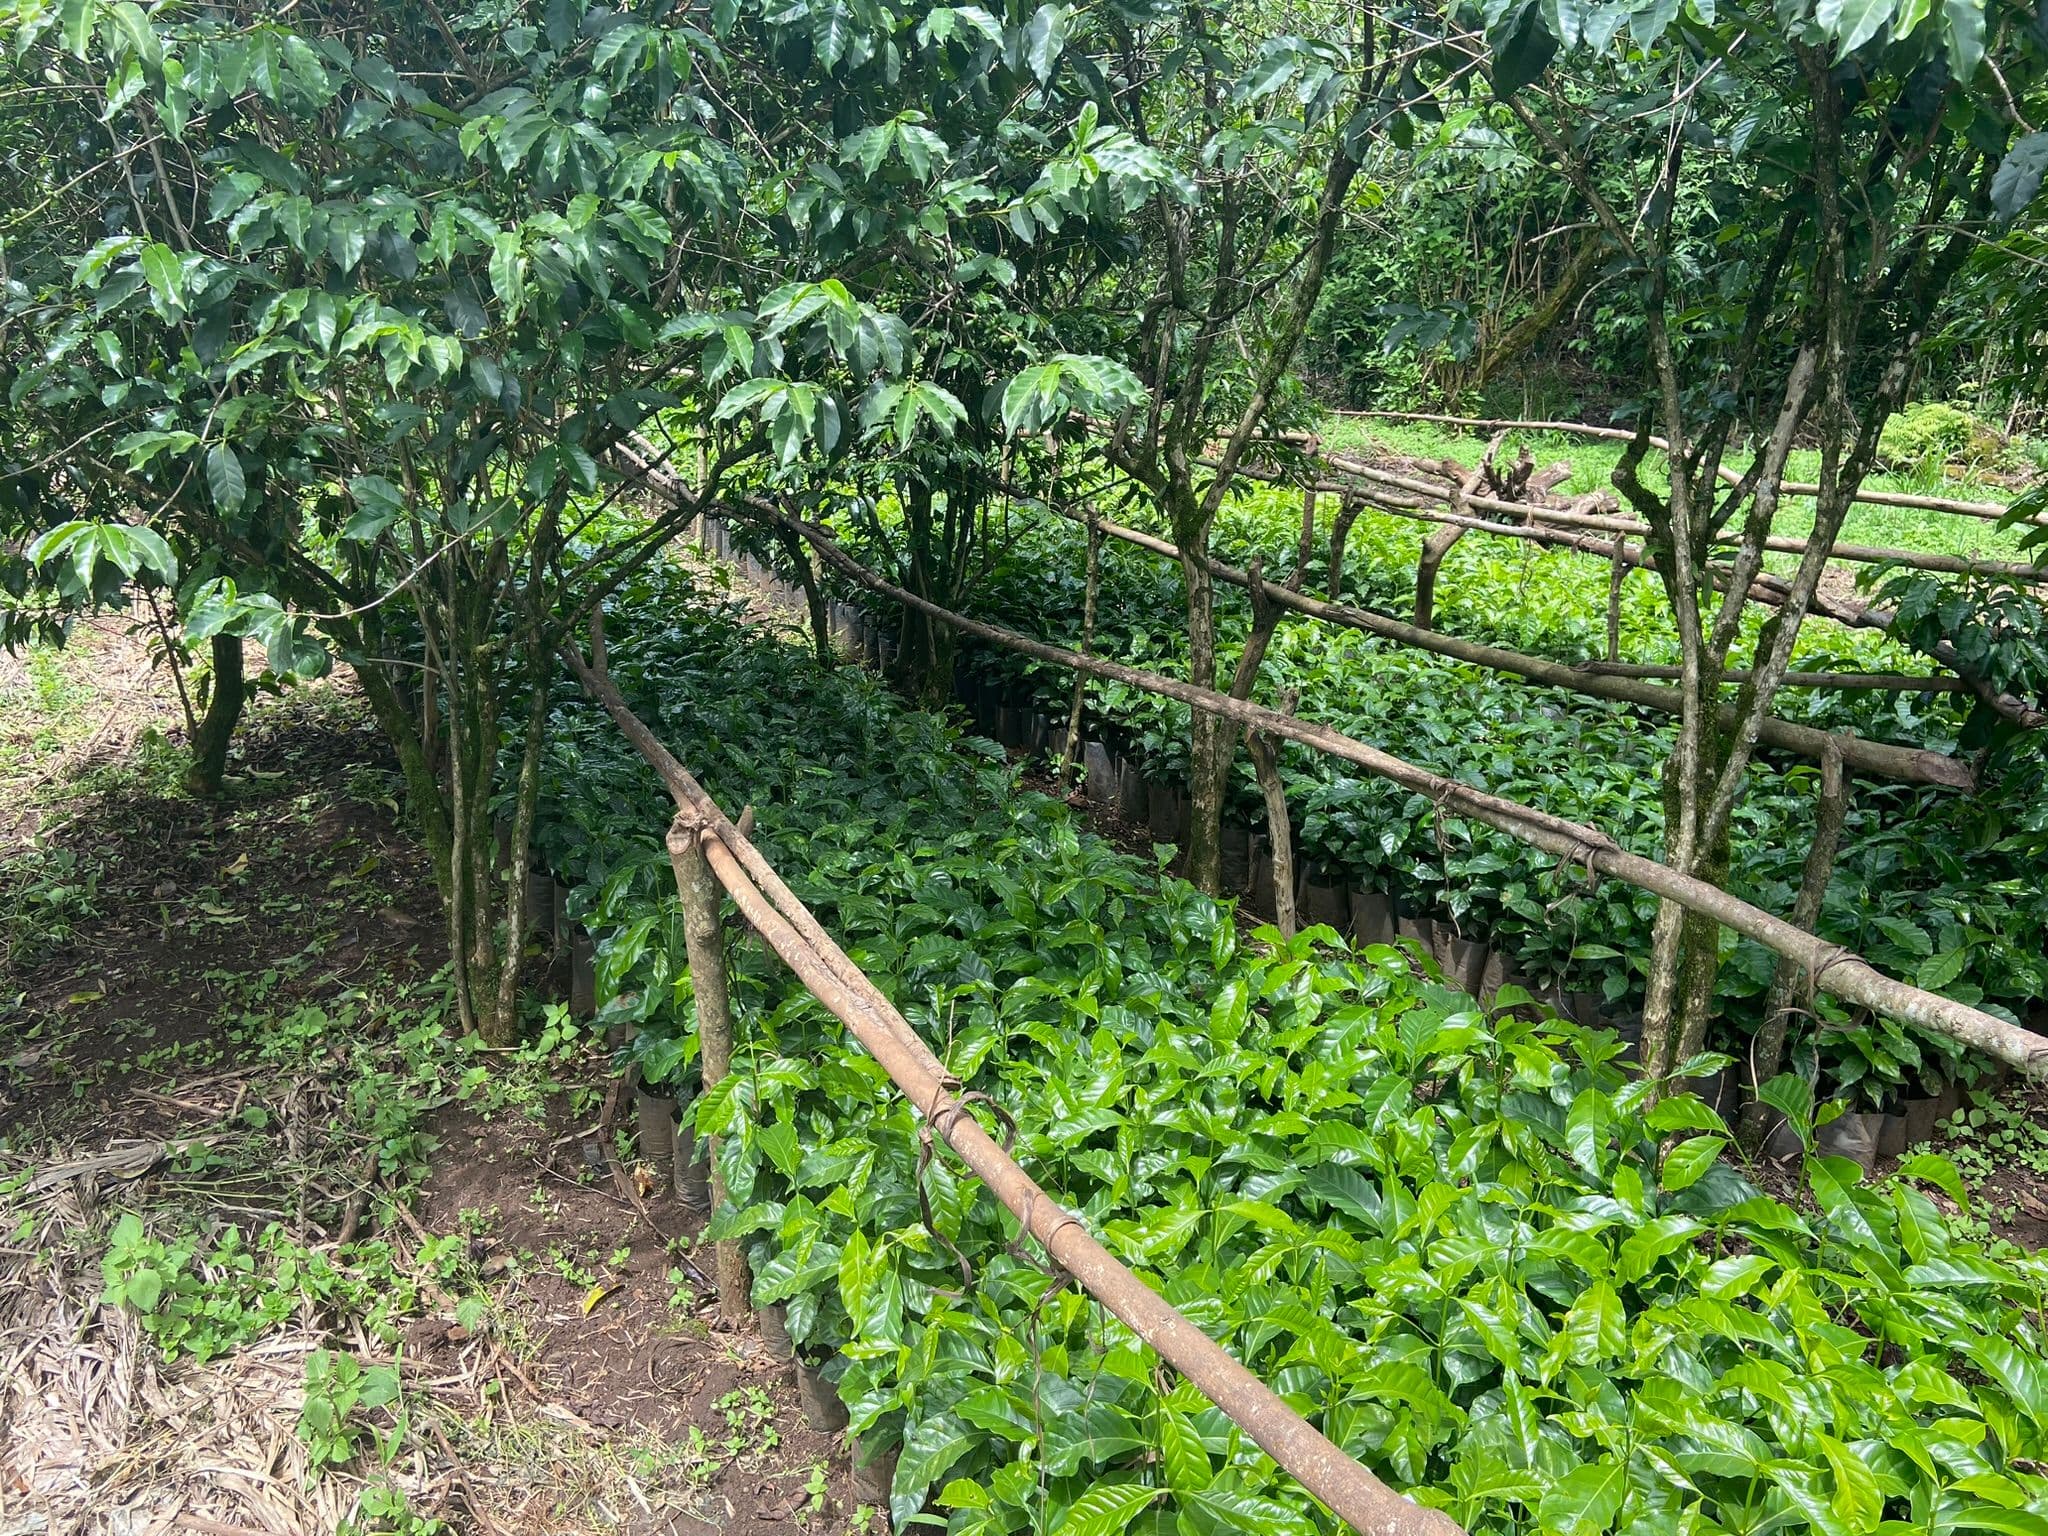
(1879,682)
(1915,765)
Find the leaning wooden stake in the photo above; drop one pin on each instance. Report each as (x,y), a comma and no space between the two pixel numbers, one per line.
(705,940)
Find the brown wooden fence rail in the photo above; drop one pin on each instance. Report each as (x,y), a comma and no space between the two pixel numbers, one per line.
(702,838)
(1422,501)
(1990,511)
(1914,765)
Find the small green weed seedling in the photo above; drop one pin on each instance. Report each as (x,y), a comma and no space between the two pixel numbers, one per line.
(339,1388)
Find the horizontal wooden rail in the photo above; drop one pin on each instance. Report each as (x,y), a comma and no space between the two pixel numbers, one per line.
(1360,1499)
(1565,517)
(1989,510)
(1831,968)
(1914,765)
(1873,682)
(1766,588)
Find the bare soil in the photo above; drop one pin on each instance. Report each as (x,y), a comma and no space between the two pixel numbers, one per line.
(602,1395)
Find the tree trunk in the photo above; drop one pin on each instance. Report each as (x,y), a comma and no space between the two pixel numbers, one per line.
(224,703)
(1616,575)
(1265,755)
(422,785)
(1340,531)
(1210,781)
(814,597)
(1434,548)
(1211,742)
(1672,1002)
(1830,811)
(1070,748)
(502,1025)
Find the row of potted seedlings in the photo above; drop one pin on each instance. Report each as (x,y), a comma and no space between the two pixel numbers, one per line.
(1115,783)
(1006,710)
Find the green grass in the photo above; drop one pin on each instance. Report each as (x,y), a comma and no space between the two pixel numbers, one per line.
(1593,460)
(44,694)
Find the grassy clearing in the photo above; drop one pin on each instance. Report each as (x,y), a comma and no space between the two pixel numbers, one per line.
(99,700)
(1593,461)
(1541,601)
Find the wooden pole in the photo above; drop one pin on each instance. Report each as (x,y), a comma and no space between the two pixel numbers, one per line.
(1357,1497)
(704,937)
(1848,682)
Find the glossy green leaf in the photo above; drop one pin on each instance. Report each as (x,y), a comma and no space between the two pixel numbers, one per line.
(1685,1163)
(1105,1510)
(1585,1501)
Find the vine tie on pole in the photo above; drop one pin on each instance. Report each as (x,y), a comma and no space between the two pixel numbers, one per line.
(1361,1500)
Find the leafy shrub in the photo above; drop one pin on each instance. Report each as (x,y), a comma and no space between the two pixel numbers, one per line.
(205,1299)
(340,1389)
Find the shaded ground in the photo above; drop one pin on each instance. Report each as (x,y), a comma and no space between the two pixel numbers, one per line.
(226,1087)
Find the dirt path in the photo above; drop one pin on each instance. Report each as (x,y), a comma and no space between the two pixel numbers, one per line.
(225,1069)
